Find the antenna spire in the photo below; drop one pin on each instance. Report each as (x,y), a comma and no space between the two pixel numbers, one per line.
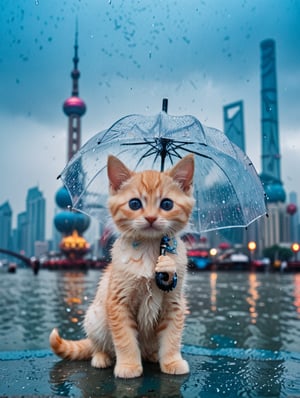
(75,74)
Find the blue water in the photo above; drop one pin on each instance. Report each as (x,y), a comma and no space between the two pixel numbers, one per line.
(242,338)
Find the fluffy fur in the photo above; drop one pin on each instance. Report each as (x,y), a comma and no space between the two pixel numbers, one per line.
(131,319)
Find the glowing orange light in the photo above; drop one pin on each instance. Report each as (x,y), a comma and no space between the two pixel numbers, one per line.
(295,247)
(213,251)
(252,246)
(73,300)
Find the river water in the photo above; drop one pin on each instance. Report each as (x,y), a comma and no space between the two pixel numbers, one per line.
(240,326)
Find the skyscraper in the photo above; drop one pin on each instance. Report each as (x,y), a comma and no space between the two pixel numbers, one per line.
(36,217)
(276,228)
(233,116)
(5,226)
(294,216)
(22,235)
(271,175)
(234,123)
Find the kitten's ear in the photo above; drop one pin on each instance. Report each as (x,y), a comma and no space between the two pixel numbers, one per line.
(183,172)
(117,173)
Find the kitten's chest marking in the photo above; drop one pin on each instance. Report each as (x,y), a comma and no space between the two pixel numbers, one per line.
(149,307)
(139,258)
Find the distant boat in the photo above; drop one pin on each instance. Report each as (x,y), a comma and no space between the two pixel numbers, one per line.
(5,266)
(12,268)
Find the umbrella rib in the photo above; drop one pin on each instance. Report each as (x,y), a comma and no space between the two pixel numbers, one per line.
(198,153)
(147,154)
(138,143)
(172,151)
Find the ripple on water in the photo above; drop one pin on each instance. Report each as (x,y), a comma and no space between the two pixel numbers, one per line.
(253,310)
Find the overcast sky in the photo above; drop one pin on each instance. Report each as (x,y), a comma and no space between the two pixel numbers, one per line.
(202,55)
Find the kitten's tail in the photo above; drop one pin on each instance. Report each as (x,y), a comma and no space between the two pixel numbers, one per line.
(70,349)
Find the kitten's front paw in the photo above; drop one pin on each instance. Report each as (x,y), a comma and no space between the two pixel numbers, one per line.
(127,371)
(179,367)
(166,264)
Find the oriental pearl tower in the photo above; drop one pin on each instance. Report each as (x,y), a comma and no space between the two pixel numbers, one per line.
(70,223)
(74,107)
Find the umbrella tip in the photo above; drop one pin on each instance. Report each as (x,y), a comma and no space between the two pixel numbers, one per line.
(165,105)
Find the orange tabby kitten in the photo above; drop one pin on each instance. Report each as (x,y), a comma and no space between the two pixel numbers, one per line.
(133,316)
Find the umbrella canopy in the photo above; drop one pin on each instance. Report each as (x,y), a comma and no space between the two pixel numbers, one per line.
(227,189)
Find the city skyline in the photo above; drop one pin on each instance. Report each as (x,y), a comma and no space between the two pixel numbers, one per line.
(201,57)
(30,228)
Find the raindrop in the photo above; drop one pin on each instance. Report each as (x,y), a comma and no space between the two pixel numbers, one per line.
(37,2)
(187,40)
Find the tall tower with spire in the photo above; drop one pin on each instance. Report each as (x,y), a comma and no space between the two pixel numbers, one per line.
(269,124)
(276,228)
(71,223)
(74,107)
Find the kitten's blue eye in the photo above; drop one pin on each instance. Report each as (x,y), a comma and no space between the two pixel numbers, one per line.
(135,204)
(166,204)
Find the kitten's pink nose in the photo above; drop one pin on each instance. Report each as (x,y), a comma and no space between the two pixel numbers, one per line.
(151,220)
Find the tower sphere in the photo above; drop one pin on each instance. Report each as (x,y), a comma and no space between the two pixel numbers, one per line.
(67,221)
(62,198)
(74,106)
(275,193)
(291,209)
(75,74)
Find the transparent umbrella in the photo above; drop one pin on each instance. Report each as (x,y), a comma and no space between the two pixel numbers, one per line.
(227,189)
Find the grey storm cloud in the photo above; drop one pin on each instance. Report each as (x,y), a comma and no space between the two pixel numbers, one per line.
(146,40)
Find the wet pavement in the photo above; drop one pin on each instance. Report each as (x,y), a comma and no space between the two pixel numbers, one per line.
(242,338)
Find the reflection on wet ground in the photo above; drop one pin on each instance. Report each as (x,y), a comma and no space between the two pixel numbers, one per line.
(242,337)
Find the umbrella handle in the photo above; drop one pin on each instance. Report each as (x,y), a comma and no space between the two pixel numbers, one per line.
(162,278)
(162,281)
